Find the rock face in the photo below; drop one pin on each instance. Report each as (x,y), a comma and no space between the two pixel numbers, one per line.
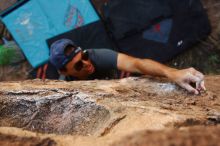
(57,112)
(128,112)
(205,56)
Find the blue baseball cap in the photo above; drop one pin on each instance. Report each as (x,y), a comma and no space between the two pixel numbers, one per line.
(57,52)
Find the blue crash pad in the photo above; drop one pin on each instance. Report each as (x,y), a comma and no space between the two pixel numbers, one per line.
(33,22)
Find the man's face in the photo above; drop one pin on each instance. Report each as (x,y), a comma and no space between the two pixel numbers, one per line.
(80,66)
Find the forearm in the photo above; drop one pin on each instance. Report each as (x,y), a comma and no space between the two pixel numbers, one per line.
(143,66)
(153,68)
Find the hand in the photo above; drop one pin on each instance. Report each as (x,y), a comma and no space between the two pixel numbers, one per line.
(186,76)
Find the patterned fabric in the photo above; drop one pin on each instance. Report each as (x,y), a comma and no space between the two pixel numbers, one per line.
(159,32)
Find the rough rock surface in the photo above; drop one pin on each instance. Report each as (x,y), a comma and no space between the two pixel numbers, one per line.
(205,56)
(114,112)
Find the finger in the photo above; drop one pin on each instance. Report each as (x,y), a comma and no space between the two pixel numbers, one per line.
(194,79)
(202,85)
(189,88)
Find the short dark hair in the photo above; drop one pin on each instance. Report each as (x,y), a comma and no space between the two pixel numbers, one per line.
(68,47)
(63,69)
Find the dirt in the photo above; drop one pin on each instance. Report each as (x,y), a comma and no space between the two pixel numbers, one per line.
(16,72)
(6,4)
(105,113)
(195,136)
(10,140)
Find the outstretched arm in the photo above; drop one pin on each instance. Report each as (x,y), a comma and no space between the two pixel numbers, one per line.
(149,67)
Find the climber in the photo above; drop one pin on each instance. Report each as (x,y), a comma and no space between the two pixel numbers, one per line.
(70,60)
